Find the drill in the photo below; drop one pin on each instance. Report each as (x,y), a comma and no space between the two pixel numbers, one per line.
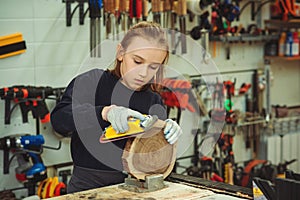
(25,147)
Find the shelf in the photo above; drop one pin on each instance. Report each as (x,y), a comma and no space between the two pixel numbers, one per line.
(283,57)
(280,24)
(243,38)
(263,121)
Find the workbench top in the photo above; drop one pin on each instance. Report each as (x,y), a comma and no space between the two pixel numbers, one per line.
(173,191)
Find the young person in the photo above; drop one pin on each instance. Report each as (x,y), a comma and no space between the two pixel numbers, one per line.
(97,98)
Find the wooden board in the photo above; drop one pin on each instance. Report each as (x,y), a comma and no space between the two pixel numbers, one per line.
(217,187)
(173,191)
(149,153)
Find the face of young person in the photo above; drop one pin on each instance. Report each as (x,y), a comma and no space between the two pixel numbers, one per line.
(140,63)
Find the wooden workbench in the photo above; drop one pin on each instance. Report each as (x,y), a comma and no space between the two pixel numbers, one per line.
(174,191)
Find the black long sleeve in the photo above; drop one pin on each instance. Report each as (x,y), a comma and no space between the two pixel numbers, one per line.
(77,106)
(79,114)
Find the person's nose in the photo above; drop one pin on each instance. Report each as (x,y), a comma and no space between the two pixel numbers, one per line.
(143,71)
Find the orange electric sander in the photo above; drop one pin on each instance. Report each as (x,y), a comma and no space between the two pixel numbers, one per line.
(136,127)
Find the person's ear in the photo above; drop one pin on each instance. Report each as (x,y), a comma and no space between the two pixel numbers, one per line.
(120,53)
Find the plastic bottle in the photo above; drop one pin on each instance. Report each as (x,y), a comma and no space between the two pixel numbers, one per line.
(299,41)
(289,44)
(295,47)
(281,44)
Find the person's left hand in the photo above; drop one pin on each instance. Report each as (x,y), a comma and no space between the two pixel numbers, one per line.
(172,131)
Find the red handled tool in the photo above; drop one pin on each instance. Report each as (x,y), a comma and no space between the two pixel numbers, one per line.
(135,10)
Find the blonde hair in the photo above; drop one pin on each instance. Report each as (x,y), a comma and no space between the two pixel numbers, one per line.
(151,32)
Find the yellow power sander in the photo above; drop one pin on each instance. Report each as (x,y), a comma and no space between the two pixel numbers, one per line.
(136,127)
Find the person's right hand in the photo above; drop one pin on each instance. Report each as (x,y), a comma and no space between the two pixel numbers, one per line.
(118,117)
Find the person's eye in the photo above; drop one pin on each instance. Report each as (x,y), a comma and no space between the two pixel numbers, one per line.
(154,67)
(137,61)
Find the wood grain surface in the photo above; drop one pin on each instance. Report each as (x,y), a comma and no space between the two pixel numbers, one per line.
(173,191)
(149,154)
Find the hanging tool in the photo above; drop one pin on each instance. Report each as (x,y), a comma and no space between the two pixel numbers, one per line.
(198,7)
(30,98)
(268,89)
(117,16)
(204,41)
(136,127)
(226,143)
(167,7)
(95,27)
(296,4)
(123,18)
(244,88)
(112,15)
(32,144)
(23,165)
(206,167)
(71,11)
(173,23)
(284,10)
(196,32)
(223,13)
(177,94)
(11,45)
(218,95)
(145,10)
(181,12)
(109,10)
(135,10)
(229,87)
(156,10)
(81,11)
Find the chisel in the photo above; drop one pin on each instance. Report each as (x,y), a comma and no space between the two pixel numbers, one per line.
(156,10)
(173,22)
(181,12)
(124,6)
(166,12)
(117,16)
(268,88)
(95,37)
(109,9)
(145,10)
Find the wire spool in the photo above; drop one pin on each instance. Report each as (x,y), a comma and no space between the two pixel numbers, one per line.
(198,7)
(46,188)
(41,187)
(60,189)
(51,187)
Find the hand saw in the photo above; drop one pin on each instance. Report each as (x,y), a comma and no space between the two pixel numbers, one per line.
(136,127)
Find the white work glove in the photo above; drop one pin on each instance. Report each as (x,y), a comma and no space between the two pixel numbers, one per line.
(172,131)
(118,117)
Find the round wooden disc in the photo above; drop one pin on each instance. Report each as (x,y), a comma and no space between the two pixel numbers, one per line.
(149,154)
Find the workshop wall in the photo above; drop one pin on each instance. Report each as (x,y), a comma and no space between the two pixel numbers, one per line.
(55,53)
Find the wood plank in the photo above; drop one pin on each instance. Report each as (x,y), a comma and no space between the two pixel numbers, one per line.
(217,187)
(173,191)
